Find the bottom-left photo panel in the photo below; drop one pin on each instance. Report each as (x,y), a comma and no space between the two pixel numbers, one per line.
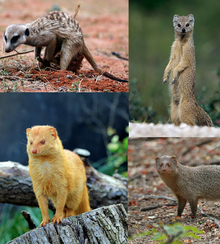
(63,168)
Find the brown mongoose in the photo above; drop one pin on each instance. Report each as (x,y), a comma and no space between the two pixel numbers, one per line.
(180,71)
(189,183)
(57,174)
(57,31)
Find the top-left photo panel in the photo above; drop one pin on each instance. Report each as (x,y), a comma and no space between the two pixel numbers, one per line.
(64,46)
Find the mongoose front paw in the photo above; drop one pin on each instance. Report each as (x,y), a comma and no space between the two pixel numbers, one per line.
(57,219)
(174,80)
(164,80)
(45,222)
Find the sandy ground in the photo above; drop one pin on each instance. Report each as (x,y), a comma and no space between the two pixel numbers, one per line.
(105,28)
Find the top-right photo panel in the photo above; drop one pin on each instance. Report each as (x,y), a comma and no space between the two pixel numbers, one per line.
(174,68)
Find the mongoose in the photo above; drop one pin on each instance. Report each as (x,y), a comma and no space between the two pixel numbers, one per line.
(180,71)
(57,174)
(189,183)
(57,31)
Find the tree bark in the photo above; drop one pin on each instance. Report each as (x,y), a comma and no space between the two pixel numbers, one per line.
(106,225)
(16,187)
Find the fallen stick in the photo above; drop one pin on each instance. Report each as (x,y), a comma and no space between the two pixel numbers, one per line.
(15,54)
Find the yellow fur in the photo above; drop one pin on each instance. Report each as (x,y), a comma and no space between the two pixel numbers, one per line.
(57,174)
(181,72)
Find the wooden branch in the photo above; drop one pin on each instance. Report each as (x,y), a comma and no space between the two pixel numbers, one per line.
(208,216)
(18,53)
(16,187)
(105,225)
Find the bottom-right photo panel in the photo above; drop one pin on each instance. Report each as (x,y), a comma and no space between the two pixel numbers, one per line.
(174,190)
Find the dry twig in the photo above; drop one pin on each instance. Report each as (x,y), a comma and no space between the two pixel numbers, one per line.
(15,54)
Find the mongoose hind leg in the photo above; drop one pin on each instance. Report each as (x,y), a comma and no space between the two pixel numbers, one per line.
(175,113)
(69,50)
(193,206)
(187,112)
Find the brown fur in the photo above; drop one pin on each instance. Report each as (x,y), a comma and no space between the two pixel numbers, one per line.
(57,174)
(181,73)
(189,183)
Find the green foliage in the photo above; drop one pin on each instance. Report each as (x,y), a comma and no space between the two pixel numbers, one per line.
(137,111)
(171,233)
(117,158)
(13,224)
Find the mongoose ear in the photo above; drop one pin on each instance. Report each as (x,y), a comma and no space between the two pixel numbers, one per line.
(27,32)
(27,131)
(53,132)
(191,18)
(175,18)
(174,159)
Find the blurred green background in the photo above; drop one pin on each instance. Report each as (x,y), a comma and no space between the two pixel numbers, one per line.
(151,35)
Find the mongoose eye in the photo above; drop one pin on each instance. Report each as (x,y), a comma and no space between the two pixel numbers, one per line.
(27,32)
(14,39)
(179,25)
(5,39)
(42,142)
(187,25)
(168,164)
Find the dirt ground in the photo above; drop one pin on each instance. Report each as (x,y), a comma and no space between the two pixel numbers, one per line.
(144,182)
(105,28)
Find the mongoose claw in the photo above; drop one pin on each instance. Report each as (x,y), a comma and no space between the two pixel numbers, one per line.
(57,220)
(44,222)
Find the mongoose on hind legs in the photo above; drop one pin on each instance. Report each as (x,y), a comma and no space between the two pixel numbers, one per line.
(57,31)
(180,71)
(189,183)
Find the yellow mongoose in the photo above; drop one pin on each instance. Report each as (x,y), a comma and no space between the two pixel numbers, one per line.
(57,31)
(57,174)
(189,183)
(180,71)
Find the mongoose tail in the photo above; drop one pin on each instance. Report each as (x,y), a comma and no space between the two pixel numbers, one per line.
(91,60)
(203,118)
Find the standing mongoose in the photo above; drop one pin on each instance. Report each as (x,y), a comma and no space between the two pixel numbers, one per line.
(58,32)
(57,174)
(180,71)
(189,183)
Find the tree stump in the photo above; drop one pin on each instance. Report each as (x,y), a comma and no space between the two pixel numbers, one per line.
(106,225)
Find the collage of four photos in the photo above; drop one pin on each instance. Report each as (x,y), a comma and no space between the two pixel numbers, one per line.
(110,122)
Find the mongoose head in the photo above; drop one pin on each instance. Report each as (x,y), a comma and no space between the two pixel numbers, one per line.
(183,24)
(14,36)
(166,164)
(41,140)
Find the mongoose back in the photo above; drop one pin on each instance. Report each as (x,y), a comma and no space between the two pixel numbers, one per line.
(57,31)
(57,174)
(180,71)
(189,183)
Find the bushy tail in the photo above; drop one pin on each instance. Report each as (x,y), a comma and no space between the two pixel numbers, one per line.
(203,118)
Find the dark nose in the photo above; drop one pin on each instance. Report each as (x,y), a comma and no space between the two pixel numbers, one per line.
(183,30)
